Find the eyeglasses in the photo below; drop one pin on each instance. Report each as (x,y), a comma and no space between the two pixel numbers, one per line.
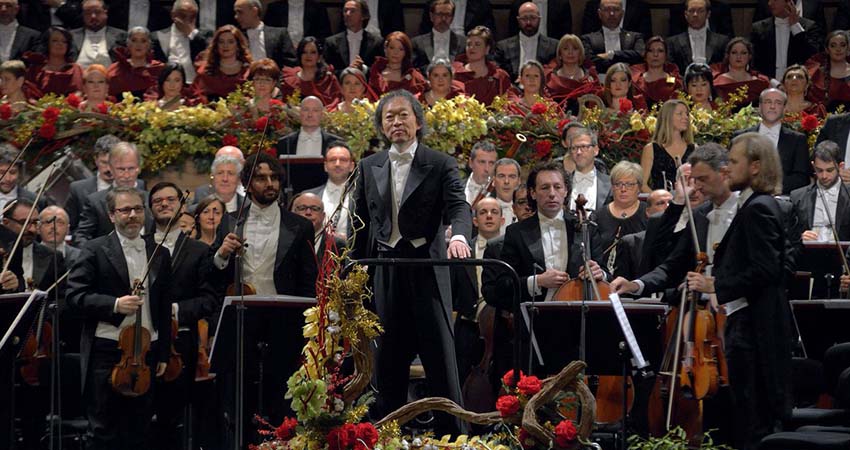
(22,221)
(625,185)
(795,76)
(696,12)
(57,221)
(581,148)
(128,209)
(160,200)
(528,18)
(315,209)
(774,102)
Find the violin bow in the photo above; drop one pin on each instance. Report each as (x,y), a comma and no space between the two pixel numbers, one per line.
(29,216)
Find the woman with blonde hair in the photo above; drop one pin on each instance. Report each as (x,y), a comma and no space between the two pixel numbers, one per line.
(673,139)
(625,214)
(572,78)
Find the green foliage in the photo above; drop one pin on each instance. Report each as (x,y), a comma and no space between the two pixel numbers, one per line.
(675,439)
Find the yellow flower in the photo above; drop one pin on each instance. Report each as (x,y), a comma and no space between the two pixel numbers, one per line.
(636,122)
(650,124)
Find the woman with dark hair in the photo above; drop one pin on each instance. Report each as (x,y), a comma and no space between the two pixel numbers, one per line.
(208,214)
(264,75)
(134,69)
(699,85)
(618,88)
(481,77)
(353,86)
(95,90)
(441,83)
(54,71)
(312,76)
(171,91)
(656,78)
(796,83)
(736,73)
(225,64)
(830,72)
(16,90)
(572,78)
(395,70)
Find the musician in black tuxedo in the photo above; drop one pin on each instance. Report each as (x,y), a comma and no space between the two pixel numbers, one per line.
(339,165)
(39,14)
(710,44)
(555,21)
(26,38)
(606,52)
(276,42)
(99,287)
(636,16)
(792,146)
(810,9)
(309,206)
(433,44)
(804,37)
(313,18)
(402,197)
(477,12)
(10,185)
(809,204)
(356,16)
(586,179)
(193,298)
(509,51)
(836,129)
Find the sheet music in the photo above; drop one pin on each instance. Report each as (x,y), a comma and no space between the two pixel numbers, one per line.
(637,356)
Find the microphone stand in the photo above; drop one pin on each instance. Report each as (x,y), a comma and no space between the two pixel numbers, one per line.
(55,363)
(533,311)
(288,191)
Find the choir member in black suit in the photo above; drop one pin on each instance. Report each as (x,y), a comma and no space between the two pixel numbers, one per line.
(338,47)
(698,42)
(25,38)
(801,38)
(836,129)
(308,18)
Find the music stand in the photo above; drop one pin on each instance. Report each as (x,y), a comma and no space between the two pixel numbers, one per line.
(302,173)
(822,324)
(820,259)
(272,338)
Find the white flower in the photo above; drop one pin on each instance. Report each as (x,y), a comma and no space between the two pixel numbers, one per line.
(405,445)
(333,316)
(333,329)
(339,405)
(417,442)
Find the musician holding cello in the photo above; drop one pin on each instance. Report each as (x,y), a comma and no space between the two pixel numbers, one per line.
(120,285)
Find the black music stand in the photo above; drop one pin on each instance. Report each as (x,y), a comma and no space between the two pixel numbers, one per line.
(302,173)
(821,259)
(272,344)
(822,324)
(18,313)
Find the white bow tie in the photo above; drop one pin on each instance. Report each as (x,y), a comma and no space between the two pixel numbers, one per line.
(583,178)
(400,158)
(134,244)
(551,222)
(481,243)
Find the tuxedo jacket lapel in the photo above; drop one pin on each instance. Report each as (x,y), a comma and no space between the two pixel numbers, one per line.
(419,169)
(115,254)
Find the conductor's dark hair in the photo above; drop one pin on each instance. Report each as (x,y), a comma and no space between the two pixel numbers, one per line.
(550,166)
(414,104)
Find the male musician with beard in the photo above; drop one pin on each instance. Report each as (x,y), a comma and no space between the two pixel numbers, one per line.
(809,200)
(100,287)
(193,298)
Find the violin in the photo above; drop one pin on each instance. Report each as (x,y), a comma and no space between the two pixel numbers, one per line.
(175,361)
(202,370)
(131,377)
(38,346)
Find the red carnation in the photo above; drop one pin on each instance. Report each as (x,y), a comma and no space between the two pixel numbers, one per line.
(508,378)
(538,108)
(275,102)
(50,114)
(47,130)
(102,108)
(507,405)
(625,105)
(542,148)
(230,140)
(341,437)
(809,122)
(286,430)
(73,100)
(261,123)
(5,111)
(565,433)
(367,436)
(529,385)
(561,124)
(525,439)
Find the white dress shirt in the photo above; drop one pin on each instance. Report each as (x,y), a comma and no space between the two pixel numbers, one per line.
(719,220)
(27,263)
(94,49)
(207,14)
(820,221)
(54,19)
(178,50)
(612,39)
(771,132)
(543,7)
(507,213)
(295,20)
(7,37)
(331,196)
(136,259)
(233,204)
(309,143)
(101,184)
(783,40)
(400,163)
(354,41)
(527,48)
(584,183)
(139,12)
(374,24)
(553,234)
(699,40)
(442,44)
(6,198)
(170,240)
(459,18)
(473,188)
(257,41)
(262,230)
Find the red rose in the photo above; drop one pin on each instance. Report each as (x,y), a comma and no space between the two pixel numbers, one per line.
(286,430)
(565,433)
(47,130)
(809,122)
(507,405)
(367,436)
(230,140)
(102,108)
(525,439)
(73,100)
(625,105)
(561,124)
(261,123)
(275,102)
(529,385)
(508,378)
(542,148)
(539,108)
(271,151)
(5,111)
(50,114)
(341,437)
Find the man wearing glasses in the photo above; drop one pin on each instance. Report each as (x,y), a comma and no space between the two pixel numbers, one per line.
(124,162)
(586,180)
(441,41)
(311,207)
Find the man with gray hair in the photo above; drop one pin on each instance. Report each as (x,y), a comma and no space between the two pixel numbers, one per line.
(125,164)
(263,40)
(182,41)
(225,179)
(508,173)
(482,162)
(792,146)
(53,229)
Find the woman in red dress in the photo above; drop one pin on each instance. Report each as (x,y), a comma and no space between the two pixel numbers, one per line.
(312,76)
(736,73)
(796,84)
(531,89)
(134,69)
(618,87)
(56,72)
(699,85)
(396,71)
(225,65)
(830,72)
(95,90)
(171,91)
(17,92)
(657,79)
(264,74)
(354,87)
(441,83)
(571,78)
(481,78)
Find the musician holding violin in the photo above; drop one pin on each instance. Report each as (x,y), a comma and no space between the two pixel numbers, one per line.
(120,284)
(482,163)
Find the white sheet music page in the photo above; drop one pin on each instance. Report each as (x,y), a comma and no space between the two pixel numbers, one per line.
(637,356)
